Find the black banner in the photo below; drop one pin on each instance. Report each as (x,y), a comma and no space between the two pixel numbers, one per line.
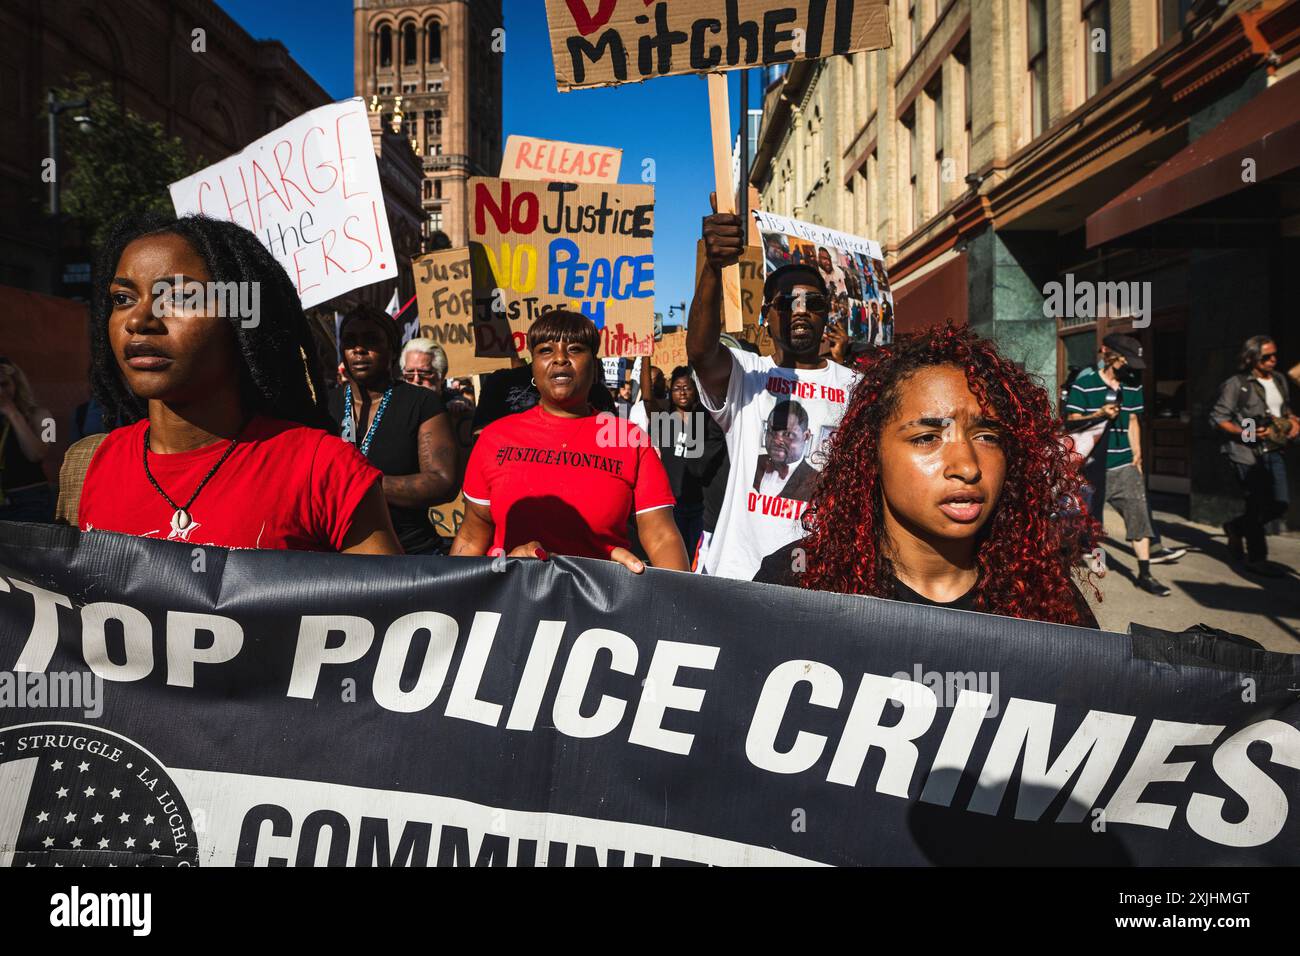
(174,705)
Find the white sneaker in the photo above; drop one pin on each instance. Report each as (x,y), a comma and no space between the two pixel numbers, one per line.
(1165,555)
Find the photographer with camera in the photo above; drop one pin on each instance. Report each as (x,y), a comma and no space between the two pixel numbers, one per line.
(1112,393)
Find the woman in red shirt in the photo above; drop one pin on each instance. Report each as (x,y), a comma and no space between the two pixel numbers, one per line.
(559,477)
(216,400)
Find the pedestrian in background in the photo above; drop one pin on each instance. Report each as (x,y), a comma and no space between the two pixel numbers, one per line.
(401,429)
(1254,414)
(25,492)
(1115,393)
(424,363)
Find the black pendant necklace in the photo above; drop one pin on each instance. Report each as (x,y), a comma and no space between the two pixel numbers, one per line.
(182,519)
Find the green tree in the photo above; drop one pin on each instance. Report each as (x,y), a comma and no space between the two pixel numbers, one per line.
(119,164)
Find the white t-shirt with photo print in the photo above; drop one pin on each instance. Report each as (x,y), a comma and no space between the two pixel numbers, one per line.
(752,524)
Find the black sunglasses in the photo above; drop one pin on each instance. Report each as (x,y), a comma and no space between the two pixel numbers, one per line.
(813,302)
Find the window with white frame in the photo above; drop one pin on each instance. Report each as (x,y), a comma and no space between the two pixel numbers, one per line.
(912,142)
(962,55)
(1096,46)
(935,92)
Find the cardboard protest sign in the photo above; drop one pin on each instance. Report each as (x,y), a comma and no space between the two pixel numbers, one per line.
(527,157)
(611,370)
(310,191)
(853,268)
(537,246)
(751,281)
(446,303)
(627,41)
(760,336)
(670,351)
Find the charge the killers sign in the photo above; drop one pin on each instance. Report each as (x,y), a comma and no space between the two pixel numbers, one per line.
(310,191)
(438,711)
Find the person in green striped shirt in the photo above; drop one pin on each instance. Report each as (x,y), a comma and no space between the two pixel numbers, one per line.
(1098,394)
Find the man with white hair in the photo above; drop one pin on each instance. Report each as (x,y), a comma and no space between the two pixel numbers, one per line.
(424,363)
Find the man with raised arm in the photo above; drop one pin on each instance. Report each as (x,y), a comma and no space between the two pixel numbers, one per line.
(741,390)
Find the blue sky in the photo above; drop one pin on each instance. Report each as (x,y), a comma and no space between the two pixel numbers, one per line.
(666,120)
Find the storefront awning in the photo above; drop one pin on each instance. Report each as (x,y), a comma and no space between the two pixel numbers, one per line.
(1265,130)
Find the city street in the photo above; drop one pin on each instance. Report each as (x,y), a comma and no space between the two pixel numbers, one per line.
(1207,588)
(630,433)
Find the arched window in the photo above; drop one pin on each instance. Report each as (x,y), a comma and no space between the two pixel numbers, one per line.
(385,46)
(434,41)
(409,56)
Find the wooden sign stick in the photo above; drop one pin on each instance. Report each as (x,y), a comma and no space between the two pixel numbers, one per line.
(720,123)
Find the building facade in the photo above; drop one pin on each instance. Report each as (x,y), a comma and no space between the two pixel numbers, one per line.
(1006,151)
(432,71)
(215,100)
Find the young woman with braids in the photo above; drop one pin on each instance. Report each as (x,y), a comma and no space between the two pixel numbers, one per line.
(946,485)
(220,433)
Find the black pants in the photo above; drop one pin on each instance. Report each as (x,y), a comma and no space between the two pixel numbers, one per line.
(1264,487)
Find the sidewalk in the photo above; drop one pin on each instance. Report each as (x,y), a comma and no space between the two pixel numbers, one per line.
(1207,588)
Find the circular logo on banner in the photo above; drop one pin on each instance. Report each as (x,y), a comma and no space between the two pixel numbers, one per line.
(76,795)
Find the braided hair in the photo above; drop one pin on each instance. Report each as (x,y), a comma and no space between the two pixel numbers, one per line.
(280,373)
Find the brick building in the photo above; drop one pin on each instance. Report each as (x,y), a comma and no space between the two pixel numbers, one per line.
(215,101)
(1001,146)
(433,70)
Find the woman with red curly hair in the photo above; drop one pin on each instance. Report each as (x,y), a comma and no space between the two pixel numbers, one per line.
(947,485)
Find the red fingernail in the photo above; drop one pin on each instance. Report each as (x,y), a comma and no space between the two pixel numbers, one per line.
(540,553)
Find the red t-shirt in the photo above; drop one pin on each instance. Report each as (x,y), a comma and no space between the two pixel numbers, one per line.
(284,487)
(570,483)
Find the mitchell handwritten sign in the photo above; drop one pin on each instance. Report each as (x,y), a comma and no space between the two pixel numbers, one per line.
(606,42)
(537,246)
(310,191)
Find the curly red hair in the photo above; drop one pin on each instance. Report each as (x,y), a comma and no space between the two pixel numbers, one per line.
(1039,528)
